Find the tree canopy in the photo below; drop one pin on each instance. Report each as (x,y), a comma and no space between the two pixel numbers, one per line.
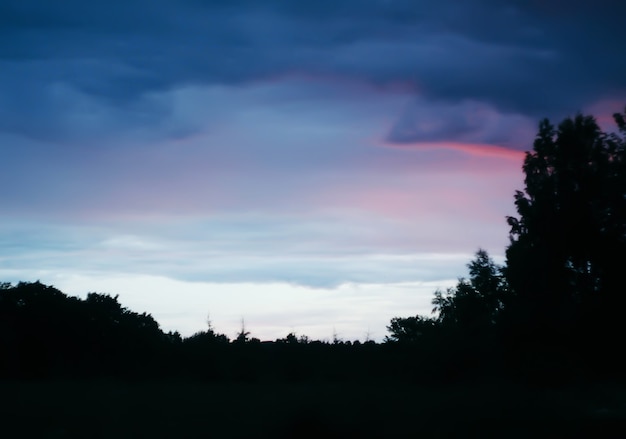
(568,243)
(474,303)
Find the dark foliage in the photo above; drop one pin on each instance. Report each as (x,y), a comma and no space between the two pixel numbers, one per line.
(475,304)
(568,243)
(470,309)
(411,329)
(45,333)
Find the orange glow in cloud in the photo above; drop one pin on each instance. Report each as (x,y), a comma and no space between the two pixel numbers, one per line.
(473,149)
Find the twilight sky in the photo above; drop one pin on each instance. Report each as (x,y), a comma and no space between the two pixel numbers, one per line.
(317,167)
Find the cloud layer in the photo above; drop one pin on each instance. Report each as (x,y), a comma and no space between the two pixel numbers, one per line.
(307,145)
(78,65)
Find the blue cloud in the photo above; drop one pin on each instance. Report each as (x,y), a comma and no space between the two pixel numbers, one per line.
(521,57)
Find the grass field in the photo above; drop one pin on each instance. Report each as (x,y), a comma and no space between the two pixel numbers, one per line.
(305,410)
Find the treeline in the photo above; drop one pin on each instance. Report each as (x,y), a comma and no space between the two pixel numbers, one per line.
(46,334)
(552,313)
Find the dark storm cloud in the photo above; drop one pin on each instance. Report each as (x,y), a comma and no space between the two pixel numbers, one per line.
(63,62)
(466,122)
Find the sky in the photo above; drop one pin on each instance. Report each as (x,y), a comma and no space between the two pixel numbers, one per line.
(309,167)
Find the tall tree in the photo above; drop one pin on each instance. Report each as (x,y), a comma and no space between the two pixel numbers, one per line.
(568,243)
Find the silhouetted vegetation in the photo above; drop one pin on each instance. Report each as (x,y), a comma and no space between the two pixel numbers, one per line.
(568,245)
(46,334)
(553,313)
(549,318)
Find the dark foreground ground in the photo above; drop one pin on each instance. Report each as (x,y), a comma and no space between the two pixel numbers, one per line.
(114,409)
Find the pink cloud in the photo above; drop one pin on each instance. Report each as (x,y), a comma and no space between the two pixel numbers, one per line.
(473,149)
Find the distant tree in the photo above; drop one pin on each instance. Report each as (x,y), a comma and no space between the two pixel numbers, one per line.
(567,251)
(243,337)
(336,339)
(475,303)
(410,329)
(208,337)
(291,338)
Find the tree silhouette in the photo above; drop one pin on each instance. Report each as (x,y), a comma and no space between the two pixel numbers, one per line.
(471,307)
(243,336)
(45,333)
(475,303)
(410,329)
(568,243)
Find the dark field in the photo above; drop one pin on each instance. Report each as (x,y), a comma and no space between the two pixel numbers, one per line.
(114,409)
